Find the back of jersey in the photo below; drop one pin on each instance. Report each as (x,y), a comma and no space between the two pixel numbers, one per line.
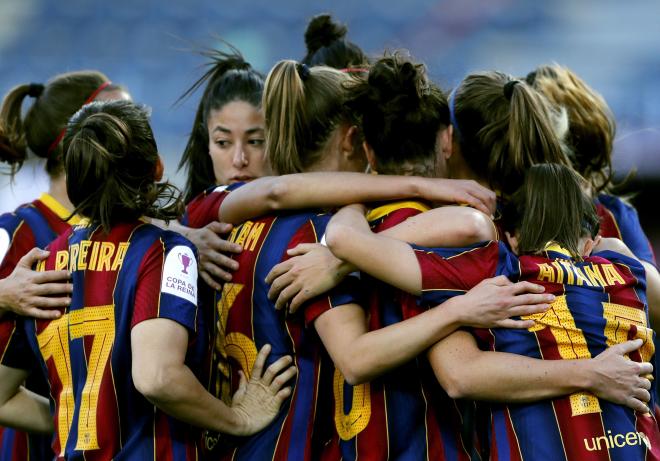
(134,273)
(249,320)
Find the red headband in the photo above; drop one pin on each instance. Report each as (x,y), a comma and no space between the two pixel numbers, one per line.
(354,69)
(91,98)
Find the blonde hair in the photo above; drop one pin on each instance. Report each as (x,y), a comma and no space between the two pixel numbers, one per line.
(591,128)
(503,127)
(302,107)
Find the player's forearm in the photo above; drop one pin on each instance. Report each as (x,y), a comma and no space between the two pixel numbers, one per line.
(27,411)
(314,190)
(378,351)
(177,392)
(467,372)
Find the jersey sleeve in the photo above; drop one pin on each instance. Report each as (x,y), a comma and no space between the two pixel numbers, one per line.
(167,283)
(205,208)
(448,272)
(630,229)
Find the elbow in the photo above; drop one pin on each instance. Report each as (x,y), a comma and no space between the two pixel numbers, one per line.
(276,194)
(153,383)
(478,228)
(336,237)
(353,375)
(455,389)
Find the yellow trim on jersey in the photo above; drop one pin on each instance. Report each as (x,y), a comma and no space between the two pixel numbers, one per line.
(59,209)
(554,246)
(384,210)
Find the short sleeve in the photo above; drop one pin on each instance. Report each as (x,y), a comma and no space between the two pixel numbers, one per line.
(448,272)
(167,284)
(204,208)
(624,221)
(15,350)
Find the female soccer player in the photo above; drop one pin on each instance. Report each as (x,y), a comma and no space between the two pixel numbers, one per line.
(590,136)
(121,360)
(600,303)
(38,223)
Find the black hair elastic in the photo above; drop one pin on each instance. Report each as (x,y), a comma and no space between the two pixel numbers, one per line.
(303,71)
(35,90)
(508,88)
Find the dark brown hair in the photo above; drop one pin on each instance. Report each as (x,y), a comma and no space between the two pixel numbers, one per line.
(503,127)
(591,128)
(228,78)
(54,103)
(111,161)
(401,113)
(302,107)
(551,206)
(327,45)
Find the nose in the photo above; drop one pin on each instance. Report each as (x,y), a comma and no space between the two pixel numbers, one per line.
(240,158)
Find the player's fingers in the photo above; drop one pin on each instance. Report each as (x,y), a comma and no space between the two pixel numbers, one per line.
(44,289)
(242,382)
(275,368)
(258,367)
(527,287)
(228,247)
(43,314)
(626,347)
(49,303)
(50,276)
(219,227)
(210,281)
(32,256)
(279,269)
(636,405)
(527,309)
(286,294)
(283,378)
(301,249)
(500,280)
(279,284)
(518,324)
(282,395)
(645,369)
(644,383)
(298,300)
(642,394)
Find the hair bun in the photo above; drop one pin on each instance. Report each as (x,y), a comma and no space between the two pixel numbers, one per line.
(323,31)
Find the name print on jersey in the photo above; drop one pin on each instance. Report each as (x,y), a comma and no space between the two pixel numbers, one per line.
(247,235)
(92,256)
(592,275)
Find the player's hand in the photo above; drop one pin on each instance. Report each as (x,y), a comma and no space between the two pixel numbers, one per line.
(616,378)
(311,271)
(35,294)
(215,266)
(461,192)
(259,398)
(493,302)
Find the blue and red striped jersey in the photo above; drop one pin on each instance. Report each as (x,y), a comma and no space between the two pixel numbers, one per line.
(134,273)
(404,414)
(32,225)
(247,320)
(600,301)
(620,220)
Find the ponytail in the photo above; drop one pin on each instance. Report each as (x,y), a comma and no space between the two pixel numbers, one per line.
(302,107)
(13,147)
(551,206)
(503,133)
(111,162)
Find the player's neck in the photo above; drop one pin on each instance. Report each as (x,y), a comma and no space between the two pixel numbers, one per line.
(58,190)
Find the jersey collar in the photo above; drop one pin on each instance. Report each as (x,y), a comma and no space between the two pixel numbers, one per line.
(554,247)
(60,210)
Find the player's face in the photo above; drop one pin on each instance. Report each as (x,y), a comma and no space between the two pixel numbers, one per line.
(236,142)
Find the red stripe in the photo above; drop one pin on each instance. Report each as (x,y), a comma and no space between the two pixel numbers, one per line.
(162,438)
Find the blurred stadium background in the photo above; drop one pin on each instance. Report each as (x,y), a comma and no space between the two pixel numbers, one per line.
(146,46)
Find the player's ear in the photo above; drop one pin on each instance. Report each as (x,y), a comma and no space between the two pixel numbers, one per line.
(512,240)
(589,245)
(371,157)
(160,169)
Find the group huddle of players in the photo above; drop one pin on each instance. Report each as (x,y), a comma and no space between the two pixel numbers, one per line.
(320,291)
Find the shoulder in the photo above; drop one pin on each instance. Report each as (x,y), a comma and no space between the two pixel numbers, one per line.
(204,208)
